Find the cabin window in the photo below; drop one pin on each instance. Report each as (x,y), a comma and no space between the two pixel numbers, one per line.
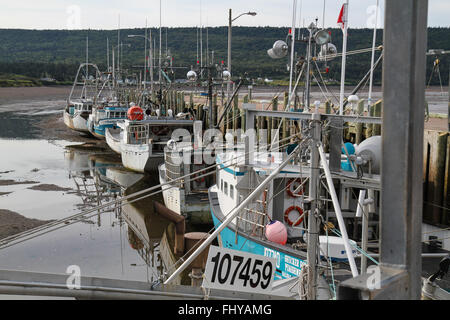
(231,191)
(221,185)
(225,188)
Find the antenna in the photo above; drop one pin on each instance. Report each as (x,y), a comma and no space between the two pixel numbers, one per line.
(107,53)
(87,57)
(323,14)
(118,45)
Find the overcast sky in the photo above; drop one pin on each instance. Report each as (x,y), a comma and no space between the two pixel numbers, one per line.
(104,14)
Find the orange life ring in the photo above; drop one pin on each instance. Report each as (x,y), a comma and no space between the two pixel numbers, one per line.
(290,187)
(289,210)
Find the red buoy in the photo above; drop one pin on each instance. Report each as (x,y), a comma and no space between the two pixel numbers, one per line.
(135,113)
(276,232)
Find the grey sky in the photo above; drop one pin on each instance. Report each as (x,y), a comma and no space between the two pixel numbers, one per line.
(103,14)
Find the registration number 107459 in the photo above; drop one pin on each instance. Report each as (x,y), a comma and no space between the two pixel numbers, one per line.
(236,270)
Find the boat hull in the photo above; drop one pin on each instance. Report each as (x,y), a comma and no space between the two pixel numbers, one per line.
(194,207)
(289,262)
(139,159)
(113,139)
(76,122)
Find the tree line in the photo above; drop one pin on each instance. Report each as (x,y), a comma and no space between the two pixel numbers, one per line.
(59,52)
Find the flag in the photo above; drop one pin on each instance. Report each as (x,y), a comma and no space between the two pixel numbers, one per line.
(343,17)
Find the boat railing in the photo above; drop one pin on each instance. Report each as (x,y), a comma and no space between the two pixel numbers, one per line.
(253,219)
(183,162)
(137,134)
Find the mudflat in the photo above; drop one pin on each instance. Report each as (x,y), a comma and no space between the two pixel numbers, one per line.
(12,222)
(17,94)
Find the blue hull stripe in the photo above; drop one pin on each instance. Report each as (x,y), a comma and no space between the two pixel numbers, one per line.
(287,266)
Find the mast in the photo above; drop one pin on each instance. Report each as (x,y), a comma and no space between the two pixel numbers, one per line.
(151,61)
(197,44)
(107,53)
(369,100)
(292,31)
(159,62)
(118,46)
(201,37)
(344,17)
(145,55)
(87,57)
(308,72)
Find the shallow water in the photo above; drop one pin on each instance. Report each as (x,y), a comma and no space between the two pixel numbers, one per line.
(103,245)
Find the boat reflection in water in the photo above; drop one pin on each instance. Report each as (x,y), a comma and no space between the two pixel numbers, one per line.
(100,178)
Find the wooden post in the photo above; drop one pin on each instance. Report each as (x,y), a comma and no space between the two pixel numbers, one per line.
(435,154)
(370,127)
(359,126)
(377,113)
(191,100)
(326,136)
(286,108)
(275,121)
(448,114)
(183,101)
(235,111)
(446,201)
(215,107)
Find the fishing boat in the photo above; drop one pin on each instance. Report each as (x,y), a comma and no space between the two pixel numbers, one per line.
(81,98)
(276,202)
(104,116)
(143,141)
(281,207)
(113,137)
(187,197)
(76,114)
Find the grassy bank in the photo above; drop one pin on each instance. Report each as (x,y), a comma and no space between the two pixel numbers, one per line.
(16,80)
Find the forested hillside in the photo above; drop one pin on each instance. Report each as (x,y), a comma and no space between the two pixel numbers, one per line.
(59,52)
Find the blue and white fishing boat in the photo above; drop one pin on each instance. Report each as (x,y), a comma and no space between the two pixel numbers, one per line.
(106,115)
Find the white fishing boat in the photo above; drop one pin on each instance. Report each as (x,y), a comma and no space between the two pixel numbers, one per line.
(76,114)
(143,141)
(187,197)
(81,98)
(113,137)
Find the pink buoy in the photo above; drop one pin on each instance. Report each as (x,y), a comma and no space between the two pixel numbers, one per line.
(276,232)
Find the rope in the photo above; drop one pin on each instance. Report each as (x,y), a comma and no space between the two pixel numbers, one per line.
(303,286)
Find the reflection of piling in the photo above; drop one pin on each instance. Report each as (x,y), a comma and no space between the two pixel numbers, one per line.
(178,220)
(186,243)
(192,241)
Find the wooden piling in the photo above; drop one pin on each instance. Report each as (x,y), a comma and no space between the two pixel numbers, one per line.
(376,131)
(436,146)
(235,111)
(286,108)
(359,126)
